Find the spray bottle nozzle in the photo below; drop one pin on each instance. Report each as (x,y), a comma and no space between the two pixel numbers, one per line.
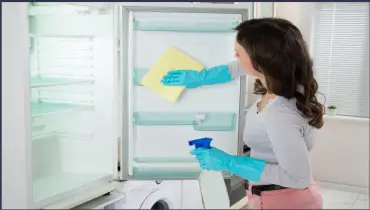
(201,143)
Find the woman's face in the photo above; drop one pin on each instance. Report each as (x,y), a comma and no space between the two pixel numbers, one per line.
(245,61)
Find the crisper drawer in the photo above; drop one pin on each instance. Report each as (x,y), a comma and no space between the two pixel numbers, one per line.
(156,135)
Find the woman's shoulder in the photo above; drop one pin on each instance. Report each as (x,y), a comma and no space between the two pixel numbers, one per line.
(285,110)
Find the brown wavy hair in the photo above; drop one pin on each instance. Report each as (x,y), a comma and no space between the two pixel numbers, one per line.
(277,49)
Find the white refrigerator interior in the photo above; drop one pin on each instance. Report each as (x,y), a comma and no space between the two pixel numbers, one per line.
(79,86)
(71,97)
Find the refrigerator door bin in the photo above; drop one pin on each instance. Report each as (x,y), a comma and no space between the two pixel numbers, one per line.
(211,121)
(169,173)
(138,74)
(183,25)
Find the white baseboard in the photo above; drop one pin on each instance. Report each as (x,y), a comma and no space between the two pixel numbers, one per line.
(340,187)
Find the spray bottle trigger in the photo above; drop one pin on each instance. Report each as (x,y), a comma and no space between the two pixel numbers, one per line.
(201,143)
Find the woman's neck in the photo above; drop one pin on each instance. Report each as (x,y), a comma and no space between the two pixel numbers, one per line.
(267,95)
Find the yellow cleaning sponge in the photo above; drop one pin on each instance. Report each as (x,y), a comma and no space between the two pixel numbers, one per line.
(171,59)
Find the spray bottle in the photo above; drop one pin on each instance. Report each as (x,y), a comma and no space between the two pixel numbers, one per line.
(211,183)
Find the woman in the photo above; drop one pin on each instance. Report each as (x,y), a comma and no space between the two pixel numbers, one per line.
(280,127)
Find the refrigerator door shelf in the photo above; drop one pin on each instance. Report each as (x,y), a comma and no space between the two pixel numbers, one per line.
(211,121)
(202,25)
(138,74)
(169,173)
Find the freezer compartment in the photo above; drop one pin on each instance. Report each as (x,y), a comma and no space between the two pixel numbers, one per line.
(185,23)
(211,121)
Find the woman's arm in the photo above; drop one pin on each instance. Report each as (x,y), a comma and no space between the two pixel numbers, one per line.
(236,70)
(288,143)
(293,168)
(210,76)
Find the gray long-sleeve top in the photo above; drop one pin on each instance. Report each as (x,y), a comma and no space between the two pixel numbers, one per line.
(280,136)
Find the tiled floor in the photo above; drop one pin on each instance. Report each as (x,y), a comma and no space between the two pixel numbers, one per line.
(334,199)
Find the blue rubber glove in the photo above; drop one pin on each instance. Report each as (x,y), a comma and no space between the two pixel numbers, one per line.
(193,79)
(215,159)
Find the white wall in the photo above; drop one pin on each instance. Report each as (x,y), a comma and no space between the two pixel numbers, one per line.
(300,14)
(341,153)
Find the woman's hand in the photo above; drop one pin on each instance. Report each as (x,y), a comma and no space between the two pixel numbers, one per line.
(192,79)
(187,78)
(215,159)
(212,158)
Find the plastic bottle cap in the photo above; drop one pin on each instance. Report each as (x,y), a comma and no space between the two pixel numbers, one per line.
(201,143)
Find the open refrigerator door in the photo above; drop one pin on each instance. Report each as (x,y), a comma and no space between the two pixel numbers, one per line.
(73,89)
(81,85)
(155,133)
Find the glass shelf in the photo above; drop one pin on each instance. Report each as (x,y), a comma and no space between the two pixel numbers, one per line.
(212,121)
(168,173)
(45,108)
(138,74)
(37,82)
(185,26)
(64,135)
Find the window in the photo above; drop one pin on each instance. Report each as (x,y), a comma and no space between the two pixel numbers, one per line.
(341,56)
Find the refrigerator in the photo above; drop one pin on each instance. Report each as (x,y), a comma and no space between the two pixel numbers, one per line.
(73,105)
